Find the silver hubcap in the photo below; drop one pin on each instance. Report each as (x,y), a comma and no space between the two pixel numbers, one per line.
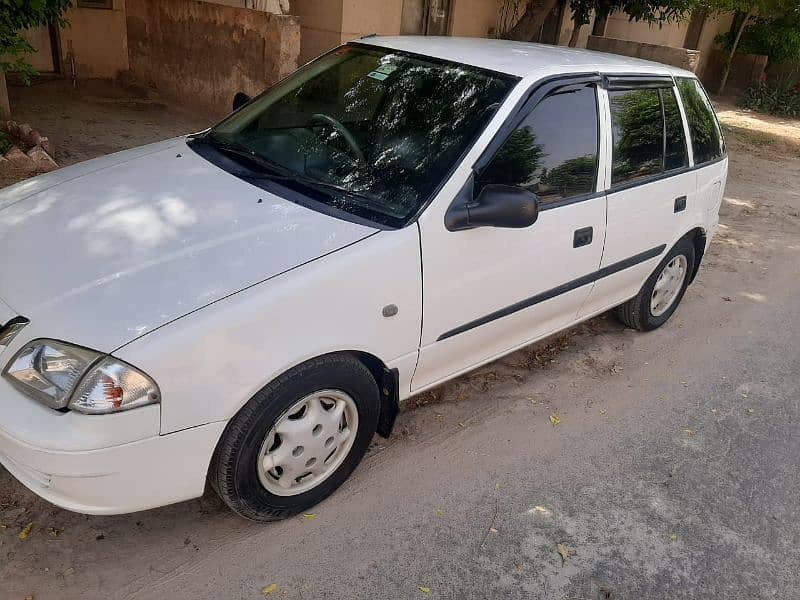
(668,284)
(308,443)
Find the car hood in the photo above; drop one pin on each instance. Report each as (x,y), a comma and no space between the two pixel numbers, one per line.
(103,252)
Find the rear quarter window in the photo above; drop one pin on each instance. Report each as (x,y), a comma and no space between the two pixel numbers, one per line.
(703,126)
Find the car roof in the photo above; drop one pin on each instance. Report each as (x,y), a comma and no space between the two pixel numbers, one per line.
(522,59)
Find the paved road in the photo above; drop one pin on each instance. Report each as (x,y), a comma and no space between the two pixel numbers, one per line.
(673,473)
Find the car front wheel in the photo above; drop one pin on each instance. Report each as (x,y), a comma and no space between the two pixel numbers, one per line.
(298,439)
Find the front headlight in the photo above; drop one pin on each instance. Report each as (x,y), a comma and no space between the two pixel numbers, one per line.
(65,376)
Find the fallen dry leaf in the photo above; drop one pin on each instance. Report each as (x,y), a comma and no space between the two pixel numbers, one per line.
(492,530)
(555,419)
(565,553)
(520,568)
(26,532)
(425,590)
(310,516)
(539,509)
(690,432)
(270,589)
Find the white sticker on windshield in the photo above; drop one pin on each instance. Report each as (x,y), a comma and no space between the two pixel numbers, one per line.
(387,69)
(382,72)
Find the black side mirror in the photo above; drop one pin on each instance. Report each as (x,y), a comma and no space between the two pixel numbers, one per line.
(496,206)
(239,100)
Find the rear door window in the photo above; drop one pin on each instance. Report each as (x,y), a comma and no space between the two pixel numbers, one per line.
(704,129)
(675,153)
(648,134)
(637,125)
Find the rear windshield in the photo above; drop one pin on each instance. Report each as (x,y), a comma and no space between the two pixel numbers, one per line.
(373,131)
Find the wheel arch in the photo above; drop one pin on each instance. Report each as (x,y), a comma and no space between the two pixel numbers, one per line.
(388,381)
(699,239)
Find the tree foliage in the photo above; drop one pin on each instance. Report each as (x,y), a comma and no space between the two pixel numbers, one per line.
(650,11)
(777,37)
(15,17)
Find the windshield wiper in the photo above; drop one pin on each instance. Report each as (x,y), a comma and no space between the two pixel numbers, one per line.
(241,151)
(271,170)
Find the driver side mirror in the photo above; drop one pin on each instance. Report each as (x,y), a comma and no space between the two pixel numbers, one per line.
(239,100)
(496,206)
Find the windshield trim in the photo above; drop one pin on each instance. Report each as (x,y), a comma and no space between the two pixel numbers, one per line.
(321,206)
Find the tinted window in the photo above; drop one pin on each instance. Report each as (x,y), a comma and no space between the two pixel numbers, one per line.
(703,127)
(366,130)
(553,152)
(676,154)
(638,132)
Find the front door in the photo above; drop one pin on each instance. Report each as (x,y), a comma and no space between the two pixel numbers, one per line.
(488,290)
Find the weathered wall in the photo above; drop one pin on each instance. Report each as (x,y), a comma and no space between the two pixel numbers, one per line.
(679,57)
(619,26)
(474,18)
(203,53)
(745,70)
(714,25)
(327,23)
(321,26)
(96,40)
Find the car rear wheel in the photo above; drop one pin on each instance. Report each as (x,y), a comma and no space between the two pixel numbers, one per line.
(298,439)
(662,292)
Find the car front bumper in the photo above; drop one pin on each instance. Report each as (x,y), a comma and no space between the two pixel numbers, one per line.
(108,464)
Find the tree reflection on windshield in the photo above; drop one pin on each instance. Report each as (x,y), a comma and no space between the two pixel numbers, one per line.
(383,124)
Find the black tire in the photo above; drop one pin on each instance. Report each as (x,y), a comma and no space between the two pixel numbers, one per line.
(635,313)
(233,473)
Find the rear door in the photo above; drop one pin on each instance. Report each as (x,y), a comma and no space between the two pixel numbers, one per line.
(710,159)
(651,185)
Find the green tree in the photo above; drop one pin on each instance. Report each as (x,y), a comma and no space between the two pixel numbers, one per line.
(518,160)
(655,12)
(17,16)
(572,176)
(652,11)
(746,10)
(777,37)
(640,126)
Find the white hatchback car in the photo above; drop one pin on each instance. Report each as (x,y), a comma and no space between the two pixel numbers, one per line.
(250,304)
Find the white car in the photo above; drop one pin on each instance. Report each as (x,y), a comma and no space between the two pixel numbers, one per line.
(250,304)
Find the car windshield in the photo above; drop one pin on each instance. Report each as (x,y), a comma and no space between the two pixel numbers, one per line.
(371,131)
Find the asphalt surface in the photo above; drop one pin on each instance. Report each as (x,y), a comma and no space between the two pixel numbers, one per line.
(673,472)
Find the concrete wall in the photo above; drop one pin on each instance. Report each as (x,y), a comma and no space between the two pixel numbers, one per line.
(95,38)
(39,39)
(668,34)
(474,18)
(679,57)
(321,26)
(327,23)
(204,53)
(714,25)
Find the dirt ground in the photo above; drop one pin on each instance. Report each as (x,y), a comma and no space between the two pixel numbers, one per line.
(673,472)
(95,119)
